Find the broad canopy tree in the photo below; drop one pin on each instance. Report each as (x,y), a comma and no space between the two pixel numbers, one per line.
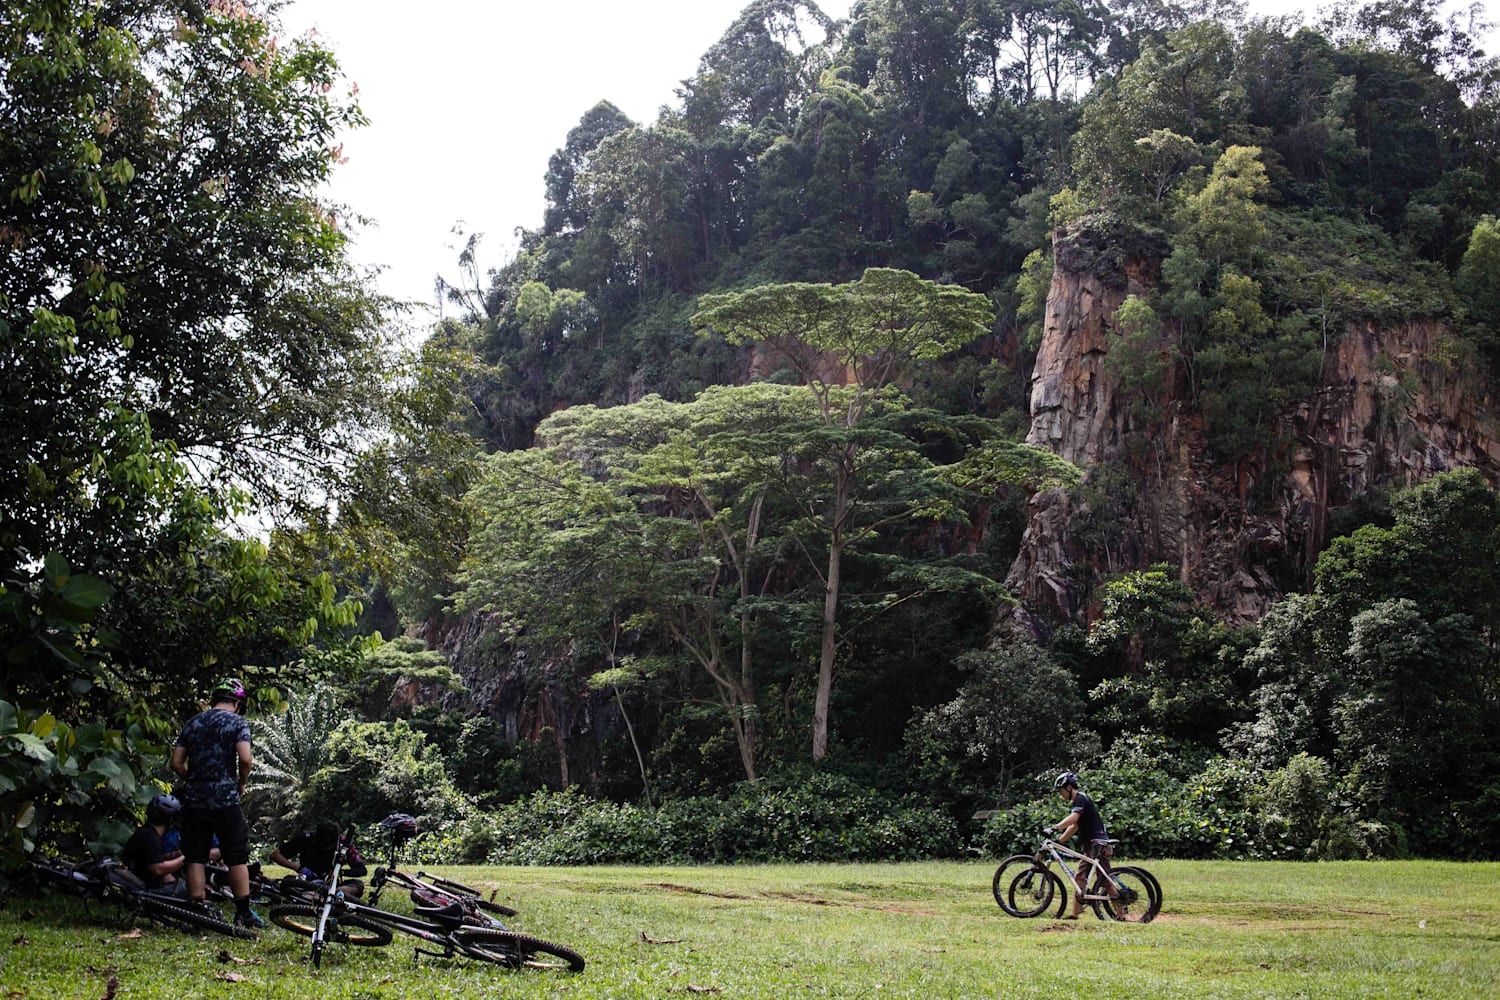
(849,343)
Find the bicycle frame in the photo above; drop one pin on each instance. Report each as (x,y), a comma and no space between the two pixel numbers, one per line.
(1055,851)
(435,887)
(432,931)
(332,905)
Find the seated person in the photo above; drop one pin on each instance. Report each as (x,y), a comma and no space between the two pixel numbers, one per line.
(310,854)
(151,854)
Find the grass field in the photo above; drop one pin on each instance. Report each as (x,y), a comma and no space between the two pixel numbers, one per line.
(1384,929)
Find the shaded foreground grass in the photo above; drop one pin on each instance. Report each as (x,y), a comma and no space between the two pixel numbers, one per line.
(1386,929)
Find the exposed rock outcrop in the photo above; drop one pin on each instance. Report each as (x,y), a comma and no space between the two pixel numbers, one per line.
(1394,407)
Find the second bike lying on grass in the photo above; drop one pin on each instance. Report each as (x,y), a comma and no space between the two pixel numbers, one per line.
(109,881)
(334,918)
(431,890)
(1026,884)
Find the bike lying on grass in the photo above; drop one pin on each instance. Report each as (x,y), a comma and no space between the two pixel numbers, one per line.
(109,881)
(334,918)
(1025,884)
(430,890)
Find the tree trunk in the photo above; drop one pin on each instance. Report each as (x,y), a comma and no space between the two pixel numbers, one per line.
(829,651)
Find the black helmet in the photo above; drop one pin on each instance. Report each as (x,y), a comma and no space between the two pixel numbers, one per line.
(162,808)
(401,825)
(1064,780)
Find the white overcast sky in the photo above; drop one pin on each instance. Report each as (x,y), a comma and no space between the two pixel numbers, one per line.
(467,99)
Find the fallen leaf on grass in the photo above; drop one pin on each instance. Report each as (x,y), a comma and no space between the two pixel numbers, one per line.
(701,989)
(130,935)
(231,977)
(112,986)
(652,940)
(19,939)
(225,959)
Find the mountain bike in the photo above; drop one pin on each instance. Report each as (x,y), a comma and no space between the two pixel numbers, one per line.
(1025,885)
(429,890)
(334,918)
(109,881)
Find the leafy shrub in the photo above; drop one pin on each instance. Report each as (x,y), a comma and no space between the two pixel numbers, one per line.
(826,818)
(1152,811)
(1295,804)
(376,768)
(77,787)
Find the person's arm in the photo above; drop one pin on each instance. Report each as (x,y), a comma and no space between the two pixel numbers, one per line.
(1067,827)
(284,861)
(243,749)
(354,865)
(170,866)
(179,761)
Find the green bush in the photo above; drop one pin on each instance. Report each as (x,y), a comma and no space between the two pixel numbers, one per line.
(1152,811)
(377,768)
(825,818)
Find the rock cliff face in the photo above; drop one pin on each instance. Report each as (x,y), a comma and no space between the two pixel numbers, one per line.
(1394,407)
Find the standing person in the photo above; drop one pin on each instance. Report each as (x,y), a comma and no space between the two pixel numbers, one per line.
(212,756)
(149,852)
(1083,819)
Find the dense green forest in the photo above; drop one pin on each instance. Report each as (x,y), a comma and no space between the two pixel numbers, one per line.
(686,536)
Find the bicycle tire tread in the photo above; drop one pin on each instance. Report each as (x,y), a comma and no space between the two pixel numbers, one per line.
(512,949)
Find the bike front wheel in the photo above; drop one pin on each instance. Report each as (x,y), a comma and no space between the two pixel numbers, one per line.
(1005,874)
(350,928)
(516,951)
(1031,892)
(1139,898)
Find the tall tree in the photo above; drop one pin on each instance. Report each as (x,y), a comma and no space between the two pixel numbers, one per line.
(647,517)
(173,286)
(862,335)
(183,342)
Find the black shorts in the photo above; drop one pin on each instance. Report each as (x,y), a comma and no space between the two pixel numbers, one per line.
(200,824)
(1100,851)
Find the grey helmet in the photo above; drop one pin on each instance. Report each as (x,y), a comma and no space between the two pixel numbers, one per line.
(1064,780)
(163,809)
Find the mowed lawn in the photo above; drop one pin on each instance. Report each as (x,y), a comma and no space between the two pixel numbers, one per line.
(1386,929)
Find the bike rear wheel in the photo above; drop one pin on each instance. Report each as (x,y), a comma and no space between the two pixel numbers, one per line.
(184,915)
(1031,892)
(1139,898)
(516,950)
(350,928)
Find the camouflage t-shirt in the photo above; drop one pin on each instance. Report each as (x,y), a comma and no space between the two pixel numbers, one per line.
(213,777)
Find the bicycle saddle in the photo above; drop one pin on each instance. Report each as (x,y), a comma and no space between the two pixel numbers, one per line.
(451,915)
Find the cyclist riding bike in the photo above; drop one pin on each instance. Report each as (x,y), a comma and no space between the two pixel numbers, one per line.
(1083,819)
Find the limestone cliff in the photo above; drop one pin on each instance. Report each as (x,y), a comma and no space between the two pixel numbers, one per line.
(1394,406)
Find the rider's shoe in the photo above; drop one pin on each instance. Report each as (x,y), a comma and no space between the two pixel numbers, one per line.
(250,919)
